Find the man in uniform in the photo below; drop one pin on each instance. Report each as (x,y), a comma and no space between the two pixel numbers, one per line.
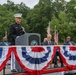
(16,30)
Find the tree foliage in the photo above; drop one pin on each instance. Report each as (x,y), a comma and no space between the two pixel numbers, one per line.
(59,13)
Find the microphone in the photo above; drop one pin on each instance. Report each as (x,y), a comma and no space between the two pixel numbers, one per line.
(22,28)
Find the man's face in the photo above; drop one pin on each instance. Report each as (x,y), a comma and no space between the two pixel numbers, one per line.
(18,19)
(68,39)
(48,38)
(5,39)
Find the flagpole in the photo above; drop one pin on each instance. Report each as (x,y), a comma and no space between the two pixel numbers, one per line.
(55,36)
(48,29)
(6,33)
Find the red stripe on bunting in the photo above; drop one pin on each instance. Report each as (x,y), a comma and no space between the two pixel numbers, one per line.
(52,70)
(73,48)
(37,49)
(59,69)
(20,74)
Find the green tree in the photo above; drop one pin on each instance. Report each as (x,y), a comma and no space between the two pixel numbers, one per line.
(6,16)
(57,12)
(71,11)
(61,24)
(39,17)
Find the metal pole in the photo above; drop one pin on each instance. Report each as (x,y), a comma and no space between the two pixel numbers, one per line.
(4,71)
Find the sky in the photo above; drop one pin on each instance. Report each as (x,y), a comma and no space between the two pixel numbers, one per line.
(29,3)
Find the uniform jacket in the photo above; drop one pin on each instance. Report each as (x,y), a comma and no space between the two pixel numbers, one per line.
(15,30)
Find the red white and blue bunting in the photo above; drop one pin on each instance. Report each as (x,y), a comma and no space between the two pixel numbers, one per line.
(68,54)
(5,53)
(35,59)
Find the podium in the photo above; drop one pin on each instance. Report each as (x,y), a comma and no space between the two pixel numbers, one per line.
(27,39)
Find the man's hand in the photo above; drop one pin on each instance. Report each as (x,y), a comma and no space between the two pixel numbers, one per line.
(17,37)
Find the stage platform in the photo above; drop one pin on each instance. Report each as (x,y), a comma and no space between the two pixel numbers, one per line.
(8,71)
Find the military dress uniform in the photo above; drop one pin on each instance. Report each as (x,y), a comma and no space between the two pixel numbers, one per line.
(15,31)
